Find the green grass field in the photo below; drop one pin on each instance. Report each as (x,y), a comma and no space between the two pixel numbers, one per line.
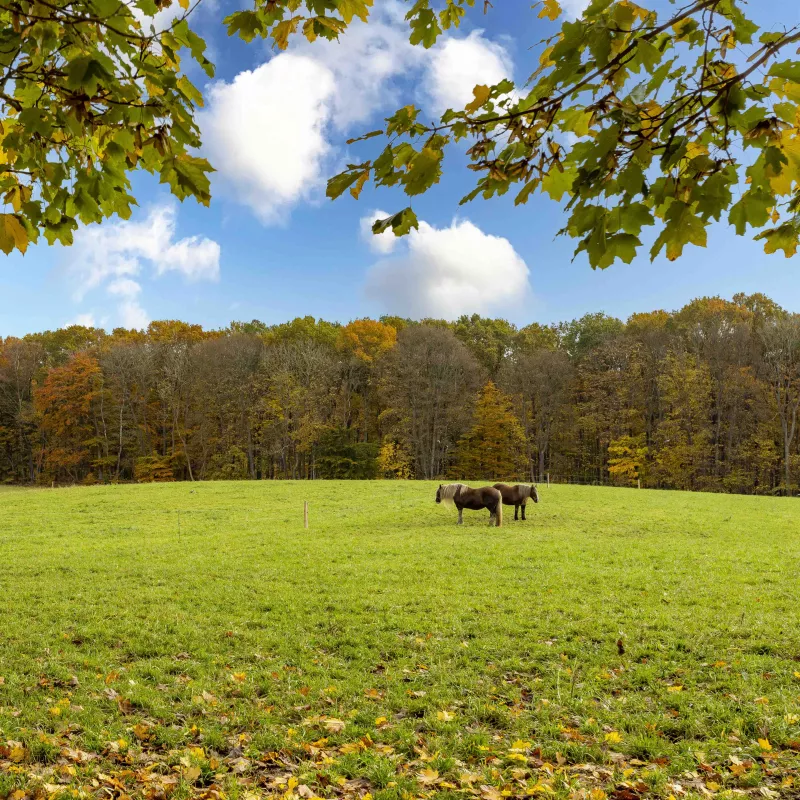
(195,641)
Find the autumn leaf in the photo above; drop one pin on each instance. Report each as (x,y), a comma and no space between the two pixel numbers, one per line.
(334,725)
(613,737)
(550,10)
(445,716)
(481,95)
(428,777)
(765,745)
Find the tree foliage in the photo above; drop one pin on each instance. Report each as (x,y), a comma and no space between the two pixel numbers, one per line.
(90,90)
(703,398)
(494,447)
(641,120)
(651,126)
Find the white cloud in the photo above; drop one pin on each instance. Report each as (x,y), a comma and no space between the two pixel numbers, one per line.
(275,133)
(269,132)
(85,320)
(459,65)
(114,255)
(450,271)
(264,132)
(384,243)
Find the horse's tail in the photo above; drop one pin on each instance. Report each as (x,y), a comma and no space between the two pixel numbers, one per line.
(499,510)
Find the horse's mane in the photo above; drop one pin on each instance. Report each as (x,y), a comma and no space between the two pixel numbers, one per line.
(450,490)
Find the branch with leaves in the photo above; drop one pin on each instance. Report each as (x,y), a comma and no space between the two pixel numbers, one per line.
(87,94)
(639,121)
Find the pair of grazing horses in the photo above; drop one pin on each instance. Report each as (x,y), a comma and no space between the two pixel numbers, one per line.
(492,497)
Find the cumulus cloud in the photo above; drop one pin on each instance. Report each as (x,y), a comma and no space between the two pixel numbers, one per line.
(114,255)
(446,272)
(269,132)
(274,133)
(264,132)
(384,243)
(457,66)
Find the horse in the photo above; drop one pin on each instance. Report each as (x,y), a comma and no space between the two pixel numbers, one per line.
(462,497)
(517,496)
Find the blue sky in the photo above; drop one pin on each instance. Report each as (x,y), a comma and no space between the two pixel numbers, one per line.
(272,247)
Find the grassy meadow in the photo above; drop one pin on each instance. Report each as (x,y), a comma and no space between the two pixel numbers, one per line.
(193,640)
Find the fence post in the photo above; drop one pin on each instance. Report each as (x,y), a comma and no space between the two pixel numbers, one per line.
(305,514)
(639,481)
(548,480)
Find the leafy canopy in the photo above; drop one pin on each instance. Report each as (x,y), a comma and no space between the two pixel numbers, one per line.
(89,90)
(641,121)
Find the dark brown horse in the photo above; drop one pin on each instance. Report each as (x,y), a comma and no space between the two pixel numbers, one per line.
(462,497)
(517,496)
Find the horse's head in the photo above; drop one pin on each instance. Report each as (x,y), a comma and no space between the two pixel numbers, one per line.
(534,494)
(439,494)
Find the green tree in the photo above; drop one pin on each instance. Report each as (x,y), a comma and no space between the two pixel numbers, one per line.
(339,456)
(90,90)
(676,120)
(494,447)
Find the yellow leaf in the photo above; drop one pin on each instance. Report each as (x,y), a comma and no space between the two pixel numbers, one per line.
(141,732)
(550,10)
(12,234)
(184,4)
(613,737)
(520,745)
(428,777)
(676,688)
(480,94)
(597,794)
(192,774)
(380,721)
(765,745)
(16,752)
(445,716)
(334,725)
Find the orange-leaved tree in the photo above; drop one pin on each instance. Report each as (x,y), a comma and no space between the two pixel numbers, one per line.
(494,447)
(69,408)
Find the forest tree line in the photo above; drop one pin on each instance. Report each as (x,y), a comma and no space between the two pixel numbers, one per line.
(704,398)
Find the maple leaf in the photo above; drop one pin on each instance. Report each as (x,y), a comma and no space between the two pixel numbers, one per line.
(428,777)
(550,10)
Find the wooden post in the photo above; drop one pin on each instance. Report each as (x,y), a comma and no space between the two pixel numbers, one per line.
(305,514)
(548,480)
(639,481)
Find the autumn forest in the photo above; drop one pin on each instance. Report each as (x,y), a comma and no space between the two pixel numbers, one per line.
(704,398)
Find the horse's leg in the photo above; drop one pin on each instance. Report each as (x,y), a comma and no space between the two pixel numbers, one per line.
(460,516)
(491,518)
(523,510)
(516,511)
